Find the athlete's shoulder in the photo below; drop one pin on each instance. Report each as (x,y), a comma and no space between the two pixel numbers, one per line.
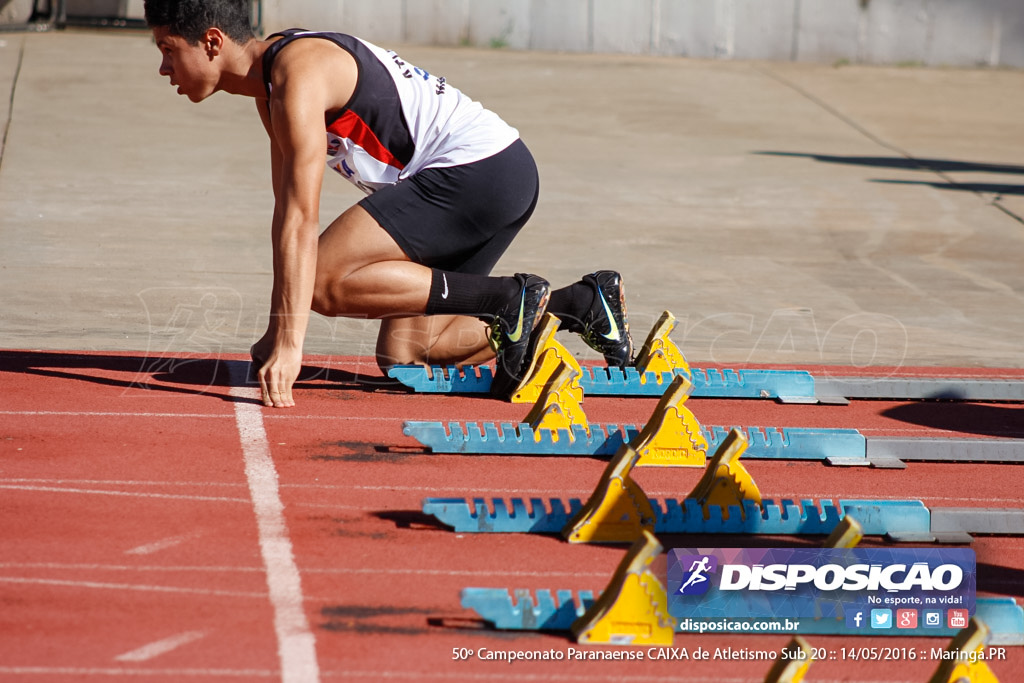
(308,55)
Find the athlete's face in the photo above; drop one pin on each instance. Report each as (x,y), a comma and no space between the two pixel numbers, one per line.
(191,68)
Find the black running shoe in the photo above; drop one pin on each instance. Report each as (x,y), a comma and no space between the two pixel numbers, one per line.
(512,333)
(605,327)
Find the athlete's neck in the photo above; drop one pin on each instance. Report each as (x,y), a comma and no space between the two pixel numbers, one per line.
(242,72)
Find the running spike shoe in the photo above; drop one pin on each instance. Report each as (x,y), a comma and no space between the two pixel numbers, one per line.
(512,333)
(605,327)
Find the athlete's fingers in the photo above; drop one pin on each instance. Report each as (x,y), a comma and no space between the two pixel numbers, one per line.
(275,387)
(264,388)
(281,394)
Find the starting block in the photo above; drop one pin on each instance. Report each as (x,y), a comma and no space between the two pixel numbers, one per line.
(506,438)
(547,611)
(548,356)
(557,425)
(559,404)
(633,609)
(659,354)
(672,437)
(793,668)
(726,482)
(658,362)
(725,501)
(966,662)
(891,518)
(618,510)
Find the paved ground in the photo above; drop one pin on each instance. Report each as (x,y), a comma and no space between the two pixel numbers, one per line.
(786,213)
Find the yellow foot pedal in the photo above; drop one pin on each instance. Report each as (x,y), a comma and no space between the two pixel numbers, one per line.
(548,353)
(672,437)
(659,353)
(559,405)
(633,609)
(618,511)
(726,481)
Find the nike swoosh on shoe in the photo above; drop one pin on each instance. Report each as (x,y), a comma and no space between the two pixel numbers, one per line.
(517,334)
(613,334)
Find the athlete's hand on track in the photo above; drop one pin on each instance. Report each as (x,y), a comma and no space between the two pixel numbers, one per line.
(277,375)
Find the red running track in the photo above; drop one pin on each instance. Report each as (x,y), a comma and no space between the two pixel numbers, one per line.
(141,538)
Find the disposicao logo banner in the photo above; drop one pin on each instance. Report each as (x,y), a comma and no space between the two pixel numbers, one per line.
(861,590)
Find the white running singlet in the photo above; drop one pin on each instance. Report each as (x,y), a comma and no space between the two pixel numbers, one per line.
(400,119)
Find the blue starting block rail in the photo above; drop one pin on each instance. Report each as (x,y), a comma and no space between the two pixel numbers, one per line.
(686,516)
(796,386)
(605,381)
(707,383)
(489,438)
(542,610)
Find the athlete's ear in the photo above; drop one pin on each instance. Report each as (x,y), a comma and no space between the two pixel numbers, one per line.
(213,42)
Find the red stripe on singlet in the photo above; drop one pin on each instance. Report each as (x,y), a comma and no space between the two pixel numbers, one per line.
(349,125)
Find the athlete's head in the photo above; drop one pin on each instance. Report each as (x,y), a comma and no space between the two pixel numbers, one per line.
(191,19)
(193,35)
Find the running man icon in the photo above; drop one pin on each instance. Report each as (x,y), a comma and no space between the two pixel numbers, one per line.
(697,570)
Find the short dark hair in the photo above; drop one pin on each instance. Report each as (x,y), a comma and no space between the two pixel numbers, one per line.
(190,19)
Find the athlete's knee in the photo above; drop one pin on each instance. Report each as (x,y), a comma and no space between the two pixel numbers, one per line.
(329,294)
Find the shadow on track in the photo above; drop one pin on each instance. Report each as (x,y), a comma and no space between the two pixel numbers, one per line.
(1005,420)
(183,374)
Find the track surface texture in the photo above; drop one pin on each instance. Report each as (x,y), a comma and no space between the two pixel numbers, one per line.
(158,524)
(138,540)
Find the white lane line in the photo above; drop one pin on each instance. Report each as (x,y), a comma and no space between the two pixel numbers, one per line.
(133,494)
(437,491)
(79,567)
(487,573)
(129,587)
(59,566)
(134,672)
(162,544)
(123,482)
(494,493)
(296,646)
(160,647)
(97,413)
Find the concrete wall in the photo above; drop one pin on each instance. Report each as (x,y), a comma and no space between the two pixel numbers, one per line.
(932,32)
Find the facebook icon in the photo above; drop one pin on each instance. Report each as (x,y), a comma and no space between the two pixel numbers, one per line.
(855,618)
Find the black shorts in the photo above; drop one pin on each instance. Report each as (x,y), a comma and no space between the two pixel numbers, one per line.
(460,218)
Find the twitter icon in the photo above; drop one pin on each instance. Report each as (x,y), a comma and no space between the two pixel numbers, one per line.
(881,618)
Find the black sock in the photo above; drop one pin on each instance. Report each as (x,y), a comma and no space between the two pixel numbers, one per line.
(570,305)
(463,294)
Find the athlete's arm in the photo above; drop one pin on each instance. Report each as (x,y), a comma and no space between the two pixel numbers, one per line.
(262,349)
(296,126)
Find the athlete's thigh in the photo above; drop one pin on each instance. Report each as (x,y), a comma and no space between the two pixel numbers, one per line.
(355,240)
